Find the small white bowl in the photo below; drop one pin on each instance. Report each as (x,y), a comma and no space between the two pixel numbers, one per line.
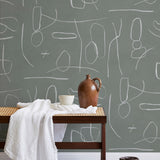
(66,99)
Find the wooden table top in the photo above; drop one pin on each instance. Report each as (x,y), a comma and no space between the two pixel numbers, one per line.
(99,116)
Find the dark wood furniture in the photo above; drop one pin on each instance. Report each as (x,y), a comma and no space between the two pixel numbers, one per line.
(128,158)
(99,117)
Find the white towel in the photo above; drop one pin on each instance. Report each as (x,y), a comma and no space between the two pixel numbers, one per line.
(31,134)
(59,128)
(74,108)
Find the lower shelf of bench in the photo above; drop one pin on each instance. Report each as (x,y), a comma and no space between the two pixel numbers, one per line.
(72,145)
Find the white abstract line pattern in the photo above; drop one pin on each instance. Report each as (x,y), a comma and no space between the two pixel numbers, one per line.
(22,3)
(124,107)
(37,28)
(84,3)
(81,45)
(93,45)
(64,35)
(131,128)
(82,131)
(104,40)
(44,54)
(64,55)
(73,92)
(9,63)
(154,130)
(104,35)
(74,67)
(150,2)
(56,19)
(35,94)
(156,70)
(131,149)
(67,67)
(8,2)
(7,25)
(149,107)
(109,117)
(138,51)
(131,10)
(55,92)
(156,27)
(55,78)
(6,91)
(10,96)
(22,47)
(115,39)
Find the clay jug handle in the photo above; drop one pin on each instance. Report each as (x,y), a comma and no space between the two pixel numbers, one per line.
(100,83)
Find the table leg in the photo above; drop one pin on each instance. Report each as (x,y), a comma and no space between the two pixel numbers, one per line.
(103,139)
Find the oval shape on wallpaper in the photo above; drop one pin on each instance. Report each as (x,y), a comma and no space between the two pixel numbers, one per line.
(98,35)
(136,44)
(51,93)
(124,89)
(156,25)
(78,4)
(63,61)
(76,134)
(64,35)
(124,110)
(36,17)
(136,29)
(91,52)
(91,134)
(3,28)
(36,38)
(137,53)
(150,133)
(11,100)
(6,65)
(90,1)
(157,69)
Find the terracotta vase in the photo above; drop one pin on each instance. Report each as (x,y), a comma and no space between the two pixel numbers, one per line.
(88,92)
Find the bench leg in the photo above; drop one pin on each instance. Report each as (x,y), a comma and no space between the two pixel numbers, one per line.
(103,139)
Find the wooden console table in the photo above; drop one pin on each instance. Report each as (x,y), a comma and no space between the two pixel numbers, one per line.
(98,117)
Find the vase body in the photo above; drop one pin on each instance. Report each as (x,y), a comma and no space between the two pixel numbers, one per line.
(88,92)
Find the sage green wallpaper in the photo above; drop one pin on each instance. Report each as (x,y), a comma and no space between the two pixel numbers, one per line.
(48,46)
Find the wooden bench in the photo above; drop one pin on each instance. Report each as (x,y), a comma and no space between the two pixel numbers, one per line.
(98,117)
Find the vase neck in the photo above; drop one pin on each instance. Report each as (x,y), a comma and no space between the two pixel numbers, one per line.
(88,76)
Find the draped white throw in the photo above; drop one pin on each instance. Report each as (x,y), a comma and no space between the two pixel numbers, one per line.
(31,133)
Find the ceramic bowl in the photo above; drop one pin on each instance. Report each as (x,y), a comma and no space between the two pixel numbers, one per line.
(66,99)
